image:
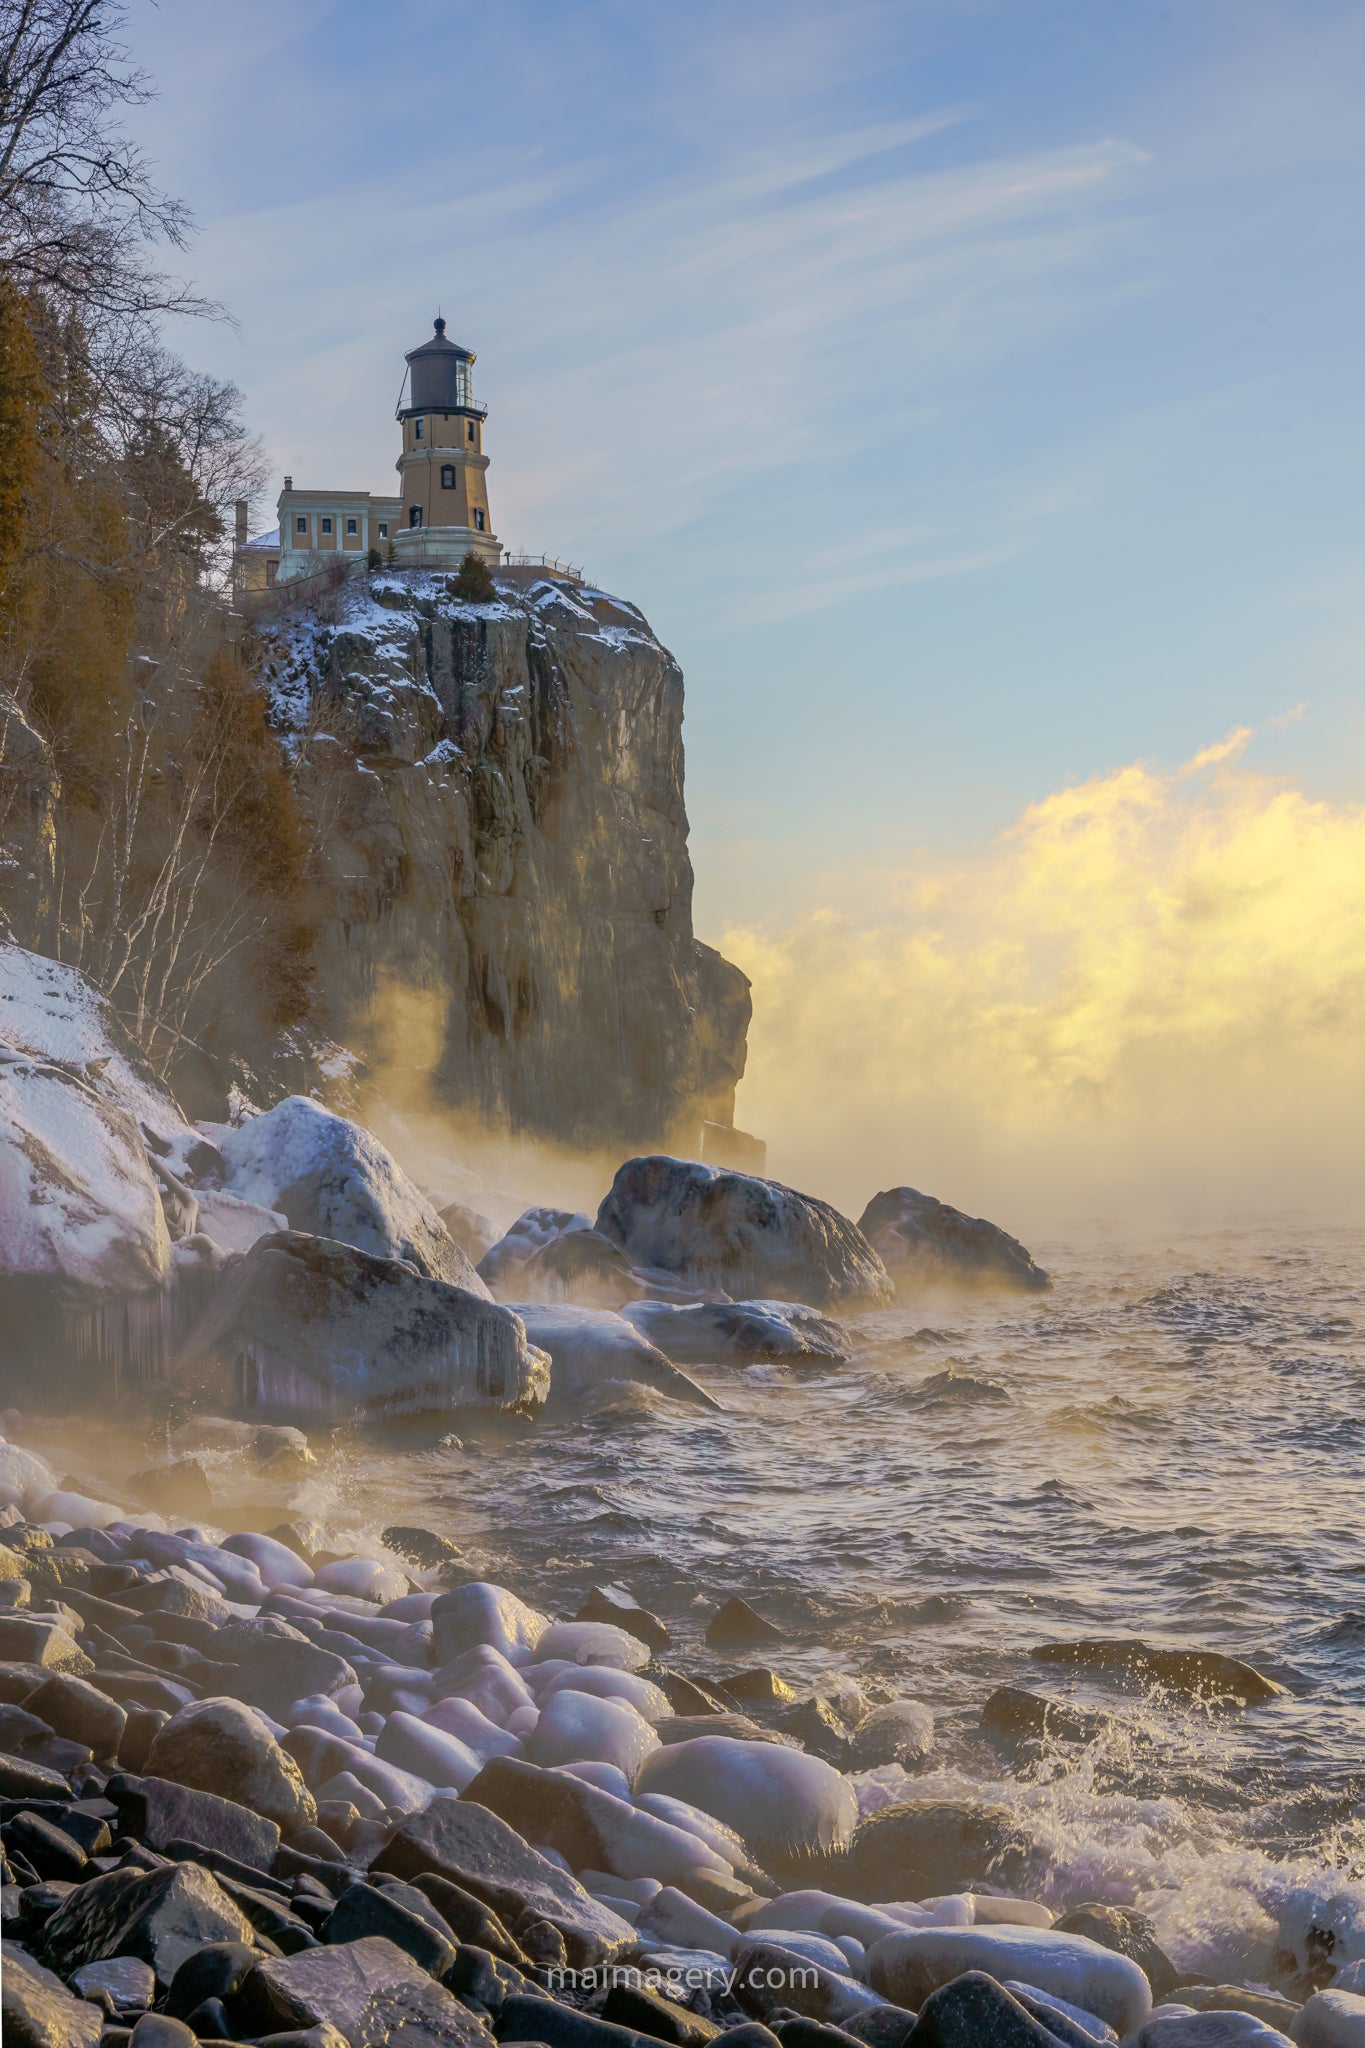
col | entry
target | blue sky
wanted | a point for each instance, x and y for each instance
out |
(970, 393)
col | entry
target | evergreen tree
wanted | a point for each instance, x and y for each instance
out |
(472, 583)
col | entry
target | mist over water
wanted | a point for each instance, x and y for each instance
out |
(1145, 999)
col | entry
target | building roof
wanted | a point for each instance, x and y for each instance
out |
(439, 346)
(266, 540)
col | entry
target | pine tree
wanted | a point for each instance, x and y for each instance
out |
(473, 583)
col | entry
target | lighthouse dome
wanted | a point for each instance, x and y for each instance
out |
(438, 373)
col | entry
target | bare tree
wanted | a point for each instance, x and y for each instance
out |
(79, 206)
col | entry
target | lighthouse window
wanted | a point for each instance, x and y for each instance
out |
(414, 515)
(327, 526)
(419, 430)
(447, 477)
(301, 523)
(383, 529)
(469, 425)
(351, 526)
(478, 517)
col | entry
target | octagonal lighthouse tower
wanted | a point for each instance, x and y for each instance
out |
(442, 469)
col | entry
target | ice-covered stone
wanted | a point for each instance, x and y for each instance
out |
(592, 1642)
(906, 1968)
(589, 1825)
(755, 1239)
(589, 1348)
(900, 1732)
(483, 1616)
(364, 1578)
(311, 1327)
(574, 1727)
(458, 1716)
(533, 1229)
(482, 1674)
(277, 1564)
(607, 1683)
(777, 1800)
(825, 1913)
(428, 1752)
(740, 1332)
(332, 1178)
(1330, 2019)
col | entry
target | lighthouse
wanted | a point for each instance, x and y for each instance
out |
(442, 469)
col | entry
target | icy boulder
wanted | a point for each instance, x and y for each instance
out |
(740, 1332)
(779, 1801)
(590, 1348)
(749, 1237)
(333, 1179)
(532, 1231)
(922, 1240)
(306, 1327)
(79, 1204)
(233, 1224)
(908, 1968)
(581, 1266)
(51, 1012)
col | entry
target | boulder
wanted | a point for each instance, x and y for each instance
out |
(749, 1237)
(581, 1266)
(592, 1643)
(921, 1240)
(421, 1547)
(589, 1348)
(532, 1231)
(79, 1711)
(162, 1916)
(923, 1848)
(973, 2011)
(370, 1990)
(331, 1178)
(740, 1332)
(475, 1850)
(577, 1727)
(129, 1984)
(901, 1732)
(906, 1968)
(80, 1208)
(277, 1664)
(1206, 1675)
(483, 1616)
(1330, 2019)
(1177, 2027)
(155, 1811)
(780, 1801)
(614, 1603)
(1012, 1715)
(402, 1915)
(37, 2009)
(213, 1972)
(36, 1639)
(1129, 1933)
(737, 1625)
(311, 1327)
(590, 1828)
(234, 1224)
(426, 1751)
(222, 1746)
(470, 1228)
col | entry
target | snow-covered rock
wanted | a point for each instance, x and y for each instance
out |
(776, 1799)
(753, 1238)
(51, 1012)
(481, 1673)
(80, 1208)
(457, 1716)
(740, 1332)
(592, 1642)
(332, 1178)
(605, 1683)
(906, 1968)
(309, 1327)
(921, 1239)
(591, 1347)
(233, 1223)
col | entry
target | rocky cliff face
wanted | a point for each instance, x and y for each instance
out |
(497, 797)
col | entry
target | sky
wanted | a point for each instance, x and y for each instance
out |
(969, 391)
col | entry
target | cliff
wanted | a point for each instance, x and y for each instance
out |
(496, 797)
